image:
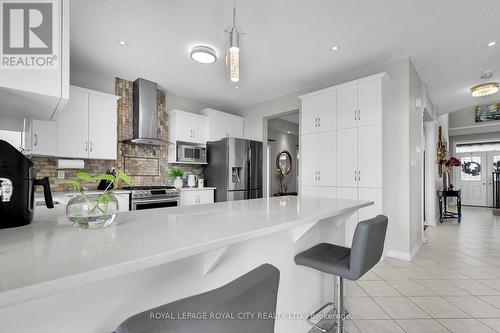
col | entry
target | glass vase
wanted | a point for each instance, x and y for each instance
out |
(92, 211)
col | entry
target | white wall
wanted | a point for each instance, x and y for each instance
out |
(105, 83)
(463, 122)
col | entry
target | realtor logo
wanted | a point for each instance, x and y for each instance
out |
(28, 34)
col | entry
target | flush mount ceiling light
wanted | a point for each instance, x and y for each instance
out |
(122, 43)
(491, 44)
(484, 89)
(233, 50)
(335, 48)
(203, 54)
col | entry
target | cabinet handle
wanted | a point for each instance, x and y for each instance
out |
(90, 146)
(359, 175)
(315, 122)
(86, 145)
(36, 139)
(355, 175)
(319, 175)
(319, 121)
(355, 114)
(359, 114)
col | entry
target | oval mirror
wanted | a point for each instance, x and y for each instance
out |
(284, 162)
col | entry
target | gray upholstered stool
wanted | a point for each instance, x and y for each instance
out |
(345, 263)
(253, 293)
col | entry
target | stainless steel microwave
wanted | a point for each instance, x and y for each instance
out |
(190, 152)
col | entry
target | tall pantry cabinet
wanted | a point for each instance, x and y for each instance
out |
(342, 144)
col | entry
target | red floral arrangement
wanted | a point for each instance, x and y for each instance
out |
(450, 163)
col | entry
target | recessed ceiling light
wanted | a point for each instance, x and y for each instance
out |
(491, 44)
(122, 42)
(236, 87)
(203, 54)
(484, 89)
(289, 132)
(335, 48)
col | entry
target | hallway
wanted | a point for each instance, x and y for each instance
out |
(452, 285)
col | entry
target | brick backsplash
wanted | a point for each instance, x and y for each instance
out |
(146, 165)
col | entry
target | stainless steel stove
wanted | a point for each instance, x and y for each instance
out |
(147, 197)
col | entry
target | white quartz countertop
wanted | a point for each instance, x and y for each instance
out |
(197, 188)
(50, 255)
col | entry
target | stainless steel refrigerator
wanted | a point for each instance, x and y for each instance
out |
(234, 169)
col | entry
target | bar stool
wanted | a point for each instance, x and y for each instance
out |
(345, 263)
(215, 311)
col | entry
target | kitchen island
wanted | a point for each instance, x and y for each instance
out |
(66, 279)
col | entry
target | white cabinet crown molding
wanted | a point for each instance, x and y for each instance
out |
(346, 84)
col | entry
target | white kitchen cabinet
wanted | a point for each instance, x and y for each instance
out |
(357, 162)
(347, 106)
(102, 127)
(327, 158)
(327, 111)
(222, 125)
(370, 102)
(197, 196)
(319, 113)
(360, 104)
(309, 159)
(347, 157)
(87, 127)
(309, 191)
(327, 192)
(39, 93)
(370, 156)
(123, 199)
(309, 115)
(187, 127)
(349, 193)
(73, 126)
(41, 139)
(370, 194)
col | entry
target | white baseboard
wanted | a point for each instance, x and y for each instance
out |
(403, 255)
(416, 248)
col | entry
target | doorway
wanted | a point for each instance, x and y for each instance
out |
(283, 154)
(475, 177)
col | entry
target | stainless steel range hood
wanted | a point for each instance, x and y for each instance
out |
(145, 115)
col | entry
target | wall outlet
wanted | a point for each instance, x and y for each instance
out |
(60, 174)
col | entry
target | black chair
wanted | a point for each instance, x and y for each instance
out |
(345, 263)
(255, 292)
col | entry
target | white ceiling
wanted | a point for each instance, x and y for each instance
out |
(287, 43)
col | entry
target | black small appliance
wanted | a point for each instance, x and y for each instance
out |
(17, 187)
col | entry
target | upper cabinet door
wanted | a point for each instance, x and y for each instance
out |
(309, 115)
(103, 116)
(182, 124)
(370, 156)
(43, 138)
(199, 128)
(72, 126)
(327, 158)
(347, 161)
(347, 106)
(327, 111)
(309, 159)
(370, 102)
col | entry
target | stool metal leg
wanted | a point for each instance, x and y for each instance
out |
(339, 304)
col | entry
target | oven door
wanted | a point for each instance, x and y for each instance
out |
(139, 204)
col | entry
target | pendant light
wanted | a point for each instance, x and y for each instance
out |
(233, 50)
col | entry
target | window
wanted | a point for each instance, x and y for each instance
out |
(471, 168)
(478, 147)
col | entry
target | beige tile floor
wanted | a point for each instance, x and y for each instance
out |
(452, 285)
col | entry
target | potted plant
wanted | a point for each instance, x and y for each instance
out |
(94, 210)
(448, 165)
(177, 173)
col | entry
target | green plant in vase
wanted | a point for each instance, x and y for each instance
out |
(177, 173)
(94, 210)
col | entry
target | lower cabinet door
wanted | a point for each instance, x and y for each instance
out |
(370, 194)
(205, 197)
(327, 192)
(309, 191)
(189, 198)
(123, 202)
(350, 193)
